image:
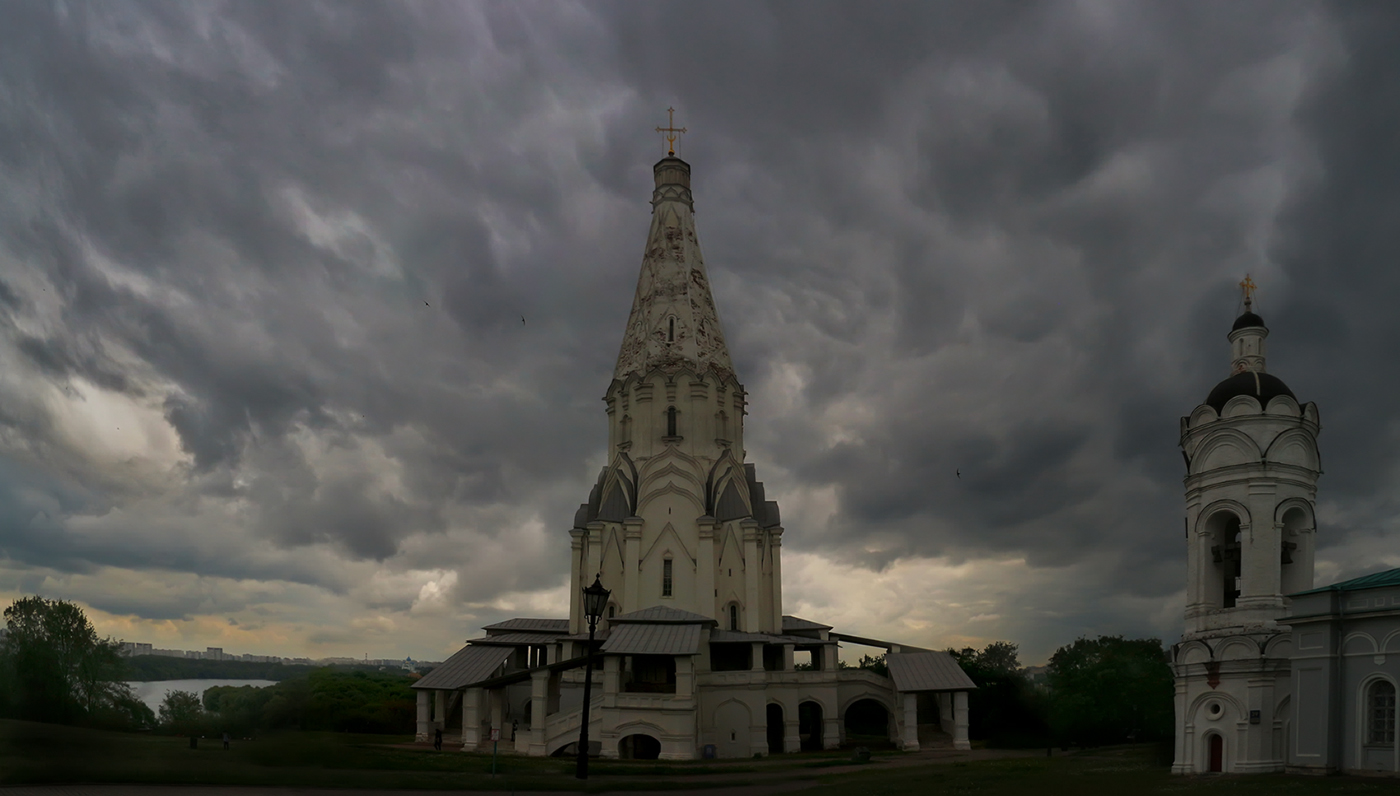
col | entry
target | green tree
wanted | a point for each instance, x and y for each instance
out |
(181, 713)
(56, 666)
(1005, 710)
(1110, 690)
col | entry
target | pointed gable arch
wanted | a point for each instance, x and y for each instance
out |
(668, 540)
(1225, 448)
(1294, 446)
(730, 549)
(671, 488)
(670, 470)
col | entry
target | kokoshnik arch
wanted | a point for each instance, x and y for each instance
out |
(698, 657)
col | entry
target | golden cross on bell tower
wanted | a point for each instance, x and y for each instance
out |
(670, 130)
(1248, 287)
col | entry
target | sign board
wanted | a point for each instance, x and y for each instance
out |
(495, 734)
(1253, 717)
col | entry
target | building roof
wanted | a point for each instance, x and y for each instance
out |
(653, 639)
(1263, 386)
(927, 671)
(674, 323)
(516, 639)
(796, 623)
(470, 665)
(1247, 320)
(1376, 580)
(660, 614)
(532, 625)
(740, 637)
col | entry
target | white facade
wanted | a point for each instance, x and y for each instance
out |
(698, 656)
(1252, 468)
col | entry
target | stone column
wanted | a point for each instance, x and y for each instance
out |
(1182, 764)
(789, 650)
(753, 608)
(612, 676)
(539, 708)
(578, 537)
(705, 570)
(756, 659)
(439, 709)
(776, 548)
(595, 556)
(685, 676)
(792, 729)
(631, 565)
(471, 719)
(831, 733)
(497, 696)
(960, 740)
(909, 736)
(425, 730)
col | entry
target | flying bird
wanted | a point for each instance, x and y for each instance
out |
(959, 472)
(426, 304)
(522, 320)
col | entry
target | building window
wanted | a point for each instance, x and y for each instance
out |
(612, 611)
(734, 623)
(666, 578)
(670, 421)
(1380, 714)
(671, 334)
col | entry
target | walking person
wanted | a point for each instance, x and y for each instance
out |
(437, 740)
(225, 742)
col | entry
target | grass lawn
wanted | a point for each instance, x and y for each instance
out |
(45, 753)
(1122, 770)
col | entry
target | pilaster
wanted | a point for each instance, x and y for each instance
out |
(631, 575)
(753, 617)
(705, 569)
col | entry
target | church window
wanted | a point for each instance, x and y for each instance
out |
(734, 620)
(1380, 714)
(670, 421)
(612, 611)
(671, 333)
(666, 578)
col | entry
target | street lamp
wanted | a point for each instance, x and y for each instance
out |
(595, 598)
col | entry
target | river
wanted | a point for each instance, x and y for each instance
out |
(153, 692)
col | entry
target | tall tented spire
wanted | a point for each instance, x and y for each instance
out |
(673, 323)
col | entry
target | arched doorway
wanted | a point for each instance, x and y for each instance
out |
(1216, 746)
(867, 719)
(775, 729)
(639, 747)
(809, 725)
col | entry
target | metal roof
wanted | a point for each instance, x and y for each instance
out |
(740, 637)
(927, 671)
(796, 623)
(654, 639)
(535, 625)
(660, 614)
(1376, 580)
(516, 638)
(470, 665)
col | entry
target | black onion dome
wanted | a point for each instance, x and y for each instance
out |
(1247, 320)
(1262, 386)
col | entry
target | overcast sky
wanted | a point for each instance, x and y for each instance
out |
(264, 382)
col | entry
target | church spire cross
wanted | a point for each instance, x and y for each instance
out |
(1248, 286)
(670, 131)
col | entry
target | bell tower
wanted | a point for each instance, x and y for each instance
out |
(1252, 466)
(678, 519)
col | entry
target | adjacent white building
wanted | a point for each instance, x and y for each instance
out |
(1272, 674)
(699, 656)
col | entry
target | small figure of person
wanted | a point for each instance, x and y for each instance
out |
(437, 740)
(225, 742)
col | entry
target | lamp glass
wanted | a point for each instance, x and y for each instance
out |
(595, 599)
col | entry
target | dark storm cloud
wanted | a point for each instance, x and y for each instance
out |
(999, 239)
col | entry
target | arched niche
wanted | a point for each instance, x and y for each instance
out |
(1241, 405)
(1283, 405)
(1295, 519)
(1222, 553)
(1204, 414)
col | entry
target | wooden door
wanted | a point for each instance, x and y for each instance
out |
(1217, 754)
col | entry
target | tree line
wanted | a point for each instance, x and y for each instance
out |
(54, 668)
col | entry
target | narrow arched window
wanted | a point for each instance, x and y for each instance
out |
(671, 333)
(1380, 714)
(733, 616)
(666, 578)
(612, 611)
(670, 421)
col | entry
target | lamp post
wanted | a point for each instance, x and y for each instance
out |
(595, 598)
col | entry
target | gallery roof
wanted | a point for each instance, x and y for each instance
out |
(653, 639)
(927, 671)
(470, 665)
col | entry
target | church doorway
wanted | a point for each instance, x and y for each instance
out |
(1217, 754)
(639, 747)
(775, 729)
(809, 726)
(867, 720)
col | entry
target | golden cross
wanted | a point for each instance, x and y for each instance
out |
(1248, 287)
(671, 129)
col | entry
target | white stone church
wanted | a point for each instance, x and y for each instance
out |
(1271, 673)
(698, 657)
